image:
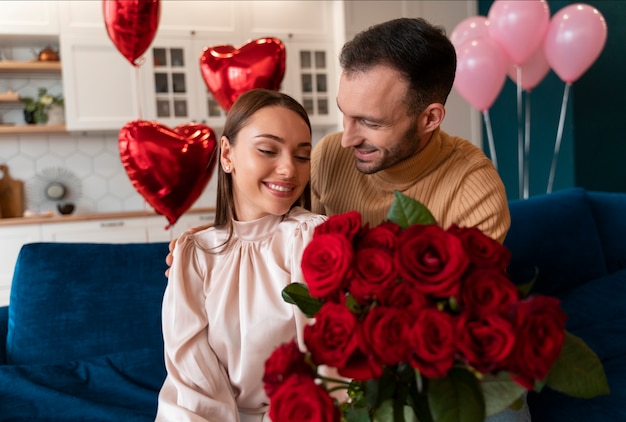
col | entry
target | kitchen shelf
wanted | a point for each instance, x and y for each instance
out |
(25, 129)
(9, 66)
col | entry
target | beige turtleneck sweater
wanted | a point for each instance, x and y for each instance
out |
(450, 176)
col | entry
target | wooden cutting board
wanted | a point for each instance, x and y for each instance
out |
(11, 194)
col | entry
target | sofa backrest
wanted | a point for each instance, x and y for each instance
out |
(557, 235)
(75, 300)
(609, 211)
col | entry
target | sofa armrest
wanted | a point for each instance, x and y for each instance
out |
(4, 329)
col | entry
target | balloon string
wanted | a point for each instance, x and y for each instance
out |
(527, 147)
(492, 148)
(139, 92)
(559, 136)
(520, 136)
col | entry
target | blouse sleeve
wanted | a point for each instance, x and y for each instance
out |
(196, 387)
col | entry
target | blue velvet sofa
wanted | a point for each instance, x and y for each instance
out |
(81, 340)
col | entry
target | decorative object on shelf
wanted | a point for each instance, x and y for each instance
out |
(36, 110)
(48, 54)
(229, 72)
(54, 187)
(11, 194)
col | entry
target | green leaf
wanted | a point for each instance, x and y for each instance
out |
(298, 294)
(578, 371)
(406, 211)
(456, 397)
(357, 414)
(500, 392)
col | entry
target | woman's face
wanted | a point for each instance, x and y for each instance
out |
(270, 162)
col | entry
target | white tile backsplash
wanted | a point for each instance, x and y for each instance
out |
(93, 158)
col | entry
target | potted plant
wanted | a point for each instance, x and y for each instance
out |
(36, 110)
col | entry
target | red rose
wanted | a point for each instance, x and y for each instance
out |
(487, 291)
(326, 263)
(347, 224)
(431, 259)
(385, 333)
(374, 273)
(332, 339)
(301, 399)
(482, 250)
(286, 360)
(384, 236)
(432, 341)
(539, 324)
(361, 366)
(485, 342)
(403, 295)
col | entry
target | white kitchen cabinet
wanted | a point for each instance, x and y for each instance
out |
(120, 230)
(175, 90)
(20, 17)
(13, 237)
(101, 87)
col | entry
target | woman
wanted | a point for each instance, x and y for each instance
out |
(223, 313)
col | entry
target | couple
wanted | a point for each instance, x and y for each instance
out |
(223, 313)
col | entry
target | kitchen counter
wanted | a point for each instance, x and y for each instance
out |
(57, 218)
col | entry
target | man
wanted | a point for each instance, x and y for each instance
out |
(396, 78)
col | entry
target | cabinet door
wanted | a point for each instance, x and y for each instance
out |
(13, 238)
(101, 86)
(175, 90)
(311, 78)
(127, 230)
(29, 17)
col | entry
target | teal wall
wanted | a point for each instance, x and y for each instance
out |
(593, 146)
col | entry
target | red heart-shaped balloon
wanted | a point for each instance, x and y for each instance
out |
(169, 167)
(229, 72)
(131, 25)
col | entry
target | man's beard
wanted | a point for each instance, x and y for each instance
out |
(404, 149)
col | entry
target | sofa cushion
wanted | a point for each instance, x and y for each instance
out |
(116, 387)
(608, 210)
(70, 301)
(596, 313)
(555, 234)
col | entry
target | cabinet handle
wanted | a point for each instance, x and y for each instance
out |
(112, 224)
(206, 217)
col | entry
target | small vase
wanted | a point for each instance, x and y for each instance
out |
(41, 117)
(29, 117)
(56, 115)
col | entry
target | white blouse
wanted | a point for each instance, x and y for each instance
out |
(223, 315)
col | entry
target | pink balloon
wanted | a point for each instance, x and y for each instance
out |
(480, 72)
(533, 70)
(575, 39)
(471, 28)
(518, 26)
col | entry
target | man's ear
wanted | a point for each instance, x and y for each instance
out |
(432, 117)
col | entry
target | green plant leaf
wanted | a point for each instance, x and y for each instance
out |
(500, 392)
(357, 414)
(456, 398)
(405, 211)
(577, 371)
(298, 294)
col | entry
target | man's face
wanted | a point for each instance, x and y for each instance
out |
(375, 120)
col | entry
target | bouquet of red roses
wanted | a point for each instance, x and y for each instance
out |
(419, 323)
